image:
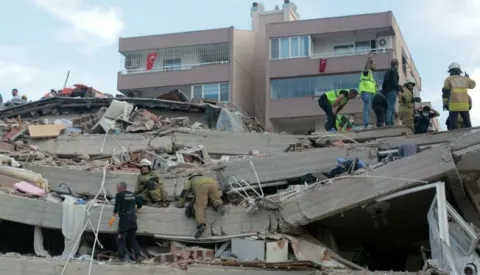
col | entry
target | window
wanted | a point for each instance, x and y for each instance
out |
(342, 49)
(214, 91)
(363, 46)
(316, 85)
(172, 64)
(290, 47)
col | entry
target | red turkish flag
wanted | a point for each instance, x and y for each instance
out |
(151, 57)
(322, 66)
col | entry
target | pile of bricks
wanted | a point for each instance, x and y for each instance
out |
(185, 255)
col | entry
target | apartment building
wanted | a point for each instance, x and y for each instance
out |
(272, 71)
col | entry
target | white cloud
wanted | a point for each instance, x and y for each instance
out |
(89, 27)
(17, 73)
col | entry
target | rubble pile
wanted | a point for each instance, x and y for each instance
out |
(327, 203)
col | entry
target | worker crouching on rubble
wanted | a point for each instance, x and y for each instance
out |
(149, 187)
(344, 123)
(407, 104)
(126, 204)
(455, 96)
(332, 102)
(204, 189)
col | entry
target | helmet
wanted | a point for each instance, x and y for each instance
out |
(24, 97)
(411, 80)
(453, 66)
(194, 175)
(146, 162)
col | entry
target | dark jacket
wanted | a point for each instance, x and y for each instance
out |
(390, 81)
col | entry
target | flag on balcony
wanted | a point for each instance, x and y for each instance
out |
(322, 66)
(151, 57)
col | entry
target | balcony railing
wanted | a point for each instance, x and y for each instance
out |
(351, 52)
(175, 59)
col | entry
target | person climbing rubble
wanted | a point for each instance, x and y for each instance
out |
(126, 204)
(407, 104)
(149, 187)
(345, 165)
(332, 102)
(204, 189)
(455, 95)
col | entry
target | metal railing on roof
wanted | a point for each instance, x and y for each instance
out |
(351, 52)
(175, 59)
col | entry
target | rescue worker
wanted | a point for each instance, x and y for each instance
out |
(407, 104)
(423, 117)
(126, 204)
(149, 187)
(15, 94)
(332, 102)
(24, 97)
(204, 189)
(380, 106)
(367, 88)
(455, 95)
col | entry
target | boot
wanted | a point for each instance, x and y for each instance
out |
(221, 209)
(200, 230)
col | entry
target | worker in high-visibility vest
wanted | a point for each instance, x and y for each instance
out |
(343, 124)
(455, 95)
(332, 102)
(367, 88)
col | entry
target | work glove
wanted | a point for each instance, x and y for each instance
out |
(179, 205)
(417, 99)
(111, 221)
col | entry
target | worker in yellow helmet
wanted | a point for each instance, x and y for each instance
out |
(455, 95)
(204, 189)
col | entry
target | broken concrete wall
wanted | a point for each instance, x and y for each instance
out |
(151, 221)
(324, 201)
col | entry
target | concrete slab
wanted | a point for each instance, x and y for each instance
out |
(324, 201)
(295, 164)
(88, 182)
(37, 266)
(151, 221)
(234, 143)
(365, 135)
(91, 144)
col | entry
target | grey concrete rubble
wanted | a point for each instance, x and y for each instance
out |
(364, 135)
(343, 194)
(151, 221)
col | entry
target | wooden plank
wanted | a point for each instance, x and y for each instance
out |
(151, 221)
(45, 131)
(344, 194)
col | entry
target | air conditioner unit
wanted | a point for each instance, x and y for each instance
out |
(384, 42)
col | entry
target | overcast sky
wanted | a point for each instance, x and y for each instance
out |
(43, 39)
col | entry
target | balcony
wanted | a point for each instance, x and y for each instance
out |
(174, 59)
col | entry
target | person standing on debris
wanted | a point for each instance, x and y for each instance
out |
(390, 88)
(126, 204)
(379, 107)
(15, 94)
(332, 102)
(455, 95)
(367, 88)
(423, 118)
(149, 187)
(460, 120)
(204, 189)
(407, 104)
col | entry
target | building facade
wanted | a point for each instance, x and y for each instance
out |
(272, 71)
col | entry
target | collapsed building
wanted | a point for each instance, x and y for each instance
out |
(62, 158)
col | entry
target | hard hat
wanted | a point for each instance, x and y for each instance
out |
(146, 162)
(24, 97)
(411, 80)
(194, 175)
(453, 65)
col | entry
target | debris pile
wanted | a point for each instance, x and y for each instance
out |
(330, 203)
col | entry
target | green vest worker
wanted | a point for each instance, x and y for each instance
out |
(332, 102)
(367, 88)
(343, 124)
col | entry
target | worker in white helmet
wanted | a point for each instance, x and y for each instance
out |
(149, 187)
(406, 104)
(455, 95)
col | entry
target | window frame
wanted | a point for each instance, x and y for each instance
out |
(219, 87)
(298, 38)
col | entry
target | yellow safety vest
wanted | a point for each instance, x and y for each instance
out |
(334, 94)
(459, 85)
(367, 83)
